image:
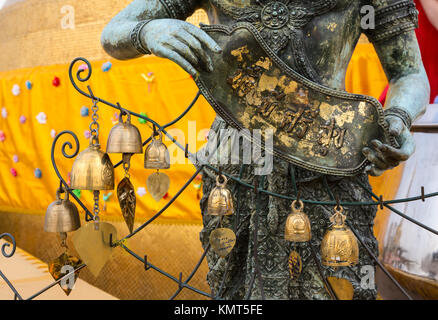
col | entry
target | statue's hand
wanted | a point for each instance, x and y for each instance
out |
(383, 156)
(181, 42)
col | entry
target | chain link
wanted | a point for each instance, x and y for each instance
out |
(94, 125)
(96, 209)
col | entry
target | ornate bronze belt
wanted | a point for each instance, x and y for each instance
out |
(315, 127)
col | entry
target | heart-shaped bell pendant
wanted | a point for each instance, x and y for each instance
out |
(297, 227)
(158, 184)
(220, 200)
(222, 241)
(339, 246)
(93, 245)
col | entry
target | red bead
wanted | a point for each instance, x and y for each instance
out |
(56, 81)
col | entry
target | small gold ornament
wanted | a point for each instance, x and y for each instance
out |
(93, 246)
(158, 184)
(342, 287)
(157, 155)
(61, 215)
(220, 201)
(222, 241)
(125, 138)
(297, 227)
(63, 265)
(339, 246)
(295, 265)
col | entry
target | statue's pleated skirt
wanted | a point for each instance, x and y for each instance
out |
(268, 218)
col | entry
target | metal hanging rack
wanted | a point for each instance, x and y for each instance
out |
(257, 188)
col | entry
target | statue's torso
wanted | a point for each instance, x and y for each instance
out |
(316, 38)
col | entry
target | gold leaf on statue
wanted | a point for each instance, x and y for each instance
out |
(158, 184)
(222, 241)
(63, 265)
(295, 265)
(93, 246)
(342, 287)
(127, 201)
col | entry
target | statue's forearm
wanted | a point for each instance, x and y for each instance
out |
(410, 92)
(116, 36)
(408, 84)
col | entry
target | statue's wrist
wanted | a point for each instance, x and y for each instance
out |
(400, 113)
(137, 36)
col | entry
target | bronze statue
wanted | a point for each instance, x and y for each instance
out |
(312, 41)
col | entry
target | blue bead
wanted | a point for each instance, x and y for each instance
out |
(28, 84)
(38, 173)
(84, 112)
(106, 66)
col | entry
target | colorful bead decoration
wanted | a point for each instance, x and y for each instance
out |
(23, 119)
(38, 173)
(107, 66)
(16, 90)
(42, 118)
(85, 112)
(141, 191)
(4, 112)
(143, 121)
(2, 136)
(14, 172)
(15, 158)
(56, 81)
(28, 85)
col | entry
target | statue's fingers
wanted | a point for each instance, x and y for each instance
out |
(196, 46)
(373, 171)
(396, 125)
(184, 50)
(374, 159)
(203, 37)
(178, 59)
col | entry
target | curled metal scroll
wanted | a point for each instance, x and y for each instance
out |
(88, 215)
(7, 244)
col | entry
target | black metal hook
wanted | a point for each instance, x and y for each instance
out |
(422, 194)
(381, 202)
(146, 265)
(186, 151)
(93, 97)
(180, 283)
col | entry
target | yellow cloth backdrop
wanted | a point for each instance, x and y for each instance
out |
(163, 99)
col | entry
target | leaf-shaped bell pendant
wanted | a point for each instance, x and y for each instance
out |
(297, 227)
(339, 246)
(92, 170)
(156, 155)
(220, 201)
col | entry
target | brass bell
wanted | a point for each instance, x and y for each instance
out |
(220, 201)
(339, 246)
(92, 170)
(297, 227)
(61, 215)
(156, 155)
(124, 137)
